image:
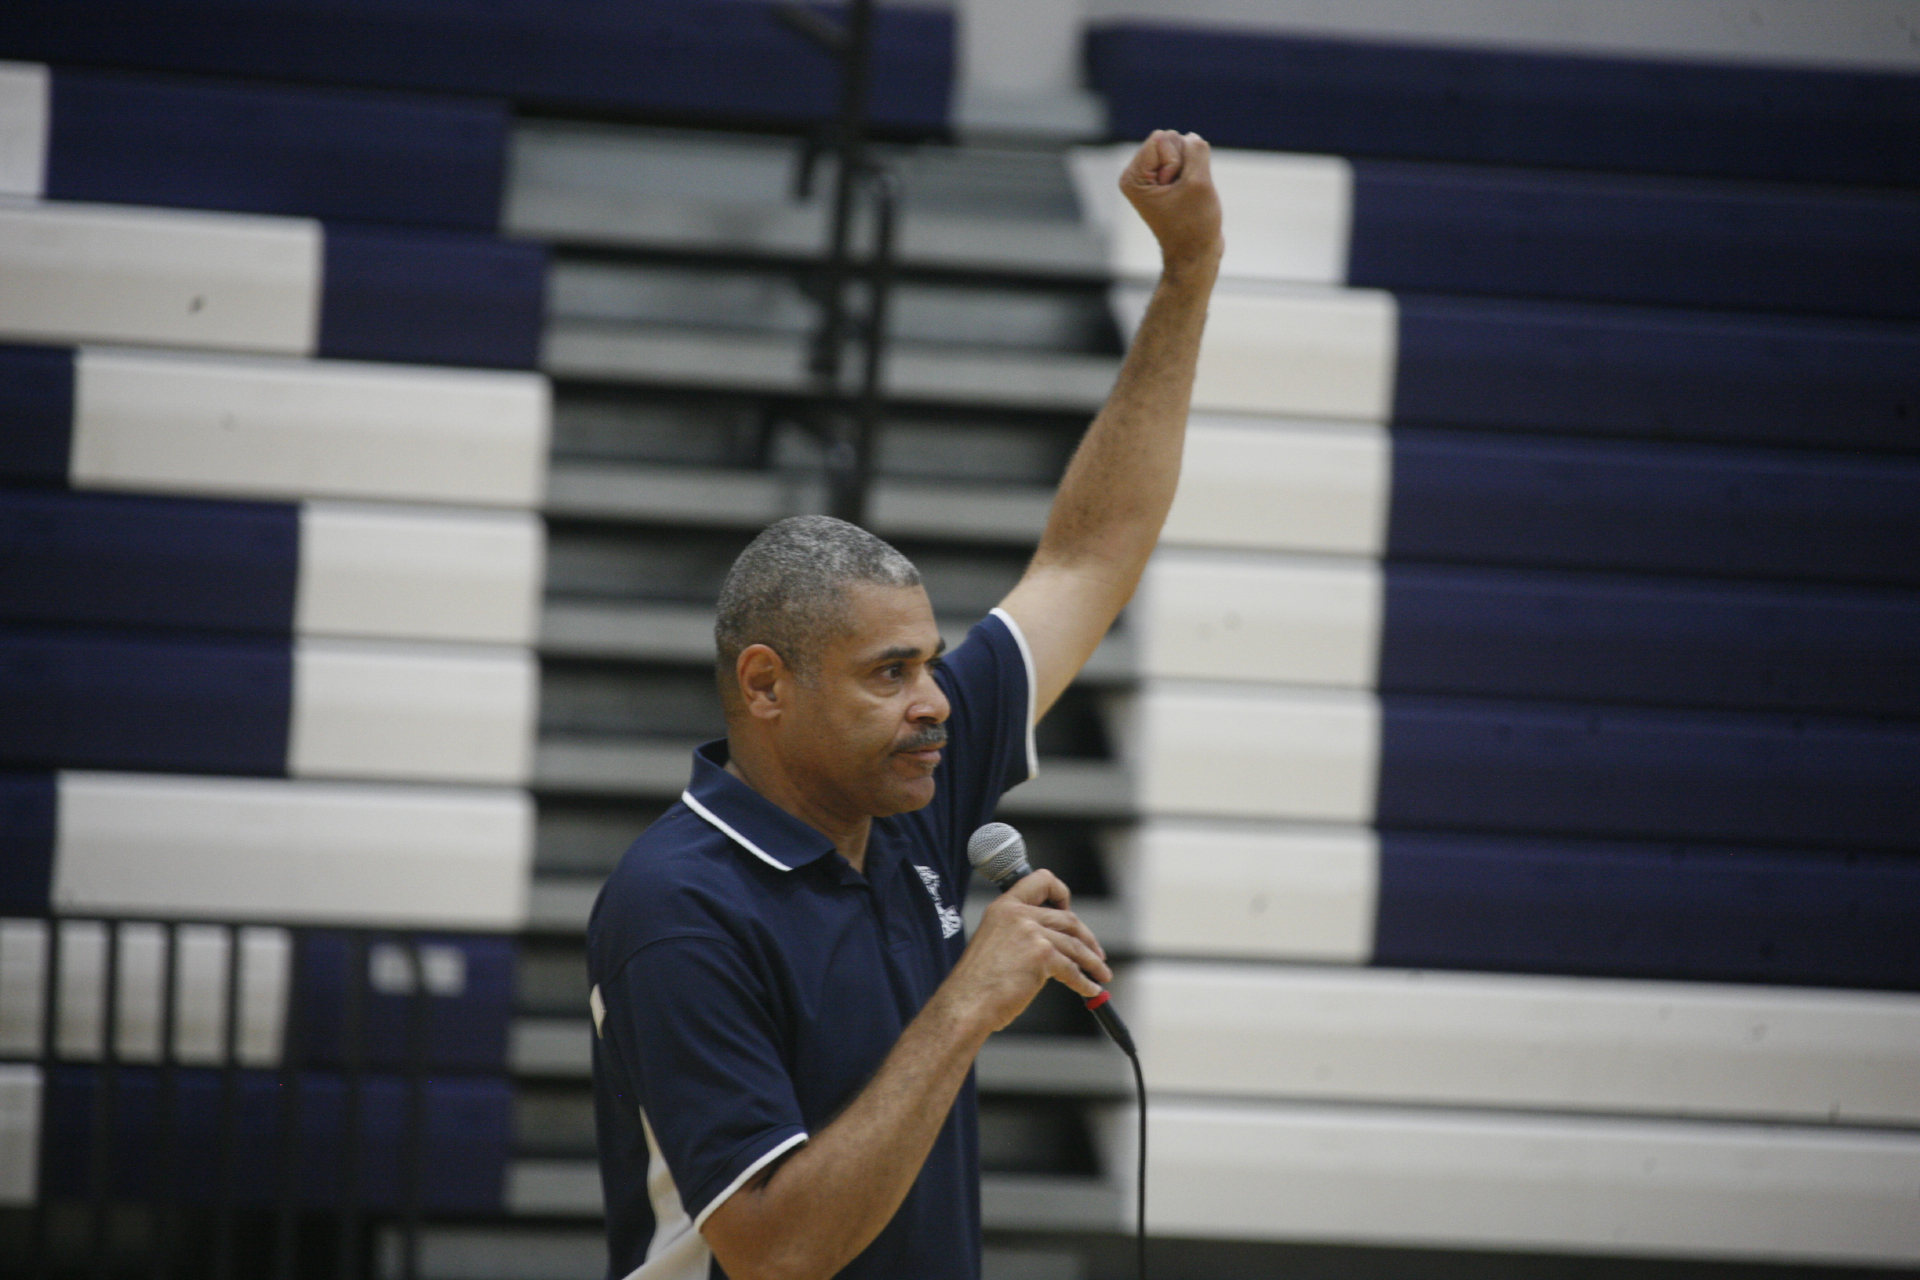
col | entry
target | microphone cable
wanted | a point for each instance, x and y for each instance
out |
(1140, 1171)
(999, 854)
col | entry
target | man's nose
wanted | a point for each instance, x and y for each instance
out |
(931, 706)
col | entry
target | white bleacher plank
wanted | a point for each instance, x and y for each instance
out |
(199, 991)
(269, 849)
(1405, 1177)
(1548, 1043)
(1282, 485)
(1209, 750)
(274, 428)
(439, 713)
(114, 273)
(1246, 890)
(1280, 349)
(417, 573)
(1285, 217)
(19, 1132)
(25, 89)
(1211, 615)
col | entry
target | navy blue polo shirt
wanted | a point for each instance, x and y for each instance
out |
(748, 982)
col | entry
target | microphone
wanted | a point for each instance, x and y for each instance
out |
(998, 853)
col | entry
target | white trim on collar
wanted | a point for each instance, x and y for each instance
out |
(686, 797)
(1026, 656)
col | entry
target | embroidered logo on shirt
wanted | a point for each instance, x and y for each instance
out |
(949, 918)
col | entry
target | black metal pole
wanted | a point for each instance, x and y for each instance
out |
(227, 1179)
(411, 1163)
(39, 1246)
(855, 59)
(851, 482)
(105, 1095)
(166, 1096)
(347, 1260)
(286, 1211)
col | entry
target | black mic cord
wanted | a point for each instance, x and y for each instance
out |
(998, 853)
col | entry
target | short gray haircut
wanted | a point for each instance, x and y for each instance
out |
(788, 591)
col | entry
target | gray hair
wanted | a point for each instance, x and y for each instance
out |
(788, 591)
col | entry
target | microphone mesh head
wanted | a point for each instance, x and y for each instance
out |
(998, 853)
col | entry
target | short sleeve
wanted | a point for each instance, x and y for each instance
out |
(689, 1027)
(988, 680)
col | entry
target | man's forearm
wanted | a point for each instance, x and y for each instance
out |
(810, 1216)
(828, 1201)
(1120, 484)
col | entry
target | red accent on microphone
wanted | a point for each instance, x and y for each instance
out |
(1094, 1002)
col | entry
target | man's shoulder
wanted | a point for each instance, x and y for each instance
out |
(678, 878)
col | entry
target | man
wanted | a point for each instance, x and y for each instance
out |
(786, 1012)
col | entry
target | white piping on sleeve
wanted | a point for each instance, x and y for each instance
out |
(752, 848)
(1033, 694)
(745, 1174)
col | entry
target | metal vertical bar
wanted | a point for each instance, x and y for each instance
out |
(851, 144)
(286, 1211)
(166, 1094)
(227, 1179)
(852, 483)
(39, 1246)
(411, 1163)
(352, 1050)
(106, 1087)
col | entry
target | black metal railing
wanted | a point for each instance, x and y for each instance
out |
(166, 1191)
(846, 421)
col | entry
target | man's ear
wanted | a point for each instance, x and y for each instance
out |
(762, 677)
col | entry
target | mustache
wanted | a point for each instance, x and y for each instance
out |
(934, 735)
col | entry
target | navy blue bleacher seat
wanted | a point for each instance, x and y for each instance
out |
(1649, 640)
(465, 1030)
(1654, 507)
(29, 807)
(36, 413)
(1691, 912)
(466, 1132)
(1614, 772)
(254, 148)
(1585, 369)
(726, 59)
(168, 702)
(1684, 242)
(1569, 111)
(105, 559)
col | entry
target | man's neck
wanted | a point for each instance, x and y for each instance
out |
(772, 783)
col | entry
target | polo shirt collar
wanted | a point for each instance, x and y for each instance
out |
(746, 817)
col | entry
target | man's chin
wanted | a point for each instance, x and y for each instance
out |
(906, 795)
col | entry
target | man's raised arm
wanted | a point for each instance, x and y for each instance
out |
(1116, 492)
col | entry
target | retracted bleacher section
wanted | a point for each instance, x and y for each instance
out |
(1529, 723)
(270, 569)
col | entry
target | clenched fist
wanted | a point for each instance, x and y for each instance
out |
(1169, 182)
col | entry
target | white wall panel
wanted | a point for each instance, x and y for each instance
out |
(25, 89)
(1388, 1176)
(1250, 752)
(255, 848)
(270, 428)
(1285, 217)
(417, 573)
(1210, 615)
(1280, 349)
(19, 1132)
(1497, 1040)
(199, 991)
(441, 713)
(1216, 888)
(113, 273)
(1281, 485)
